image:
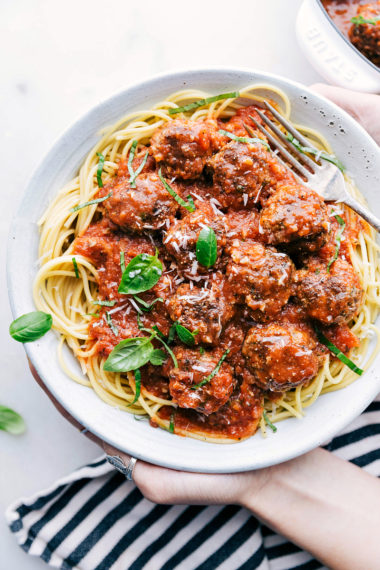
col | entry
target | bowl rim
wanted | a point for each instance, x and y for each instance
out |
(346, 40)
(314, 439)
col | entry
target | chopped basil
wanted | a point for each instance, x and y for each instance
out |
(189, 205)
(203, 102)
(137, 375)
(141, 274)
(171, 353)
(201, 350)
(159, 333)
(246, 140)
(318, 153)
(358, 20)
(30, 326)
(105, 303)
(129, 354)
(213, 373)
(207, 247)
(157, 357)
(338, 240)
(172, 332)
(100, 169)
(113, 328)
(134, 174)
(90, 203)
(185, 335)
(11, 421)
(268, 422)
(75, 267)
(338, 353)
(146, 307)
(171, 424)
(122, 261)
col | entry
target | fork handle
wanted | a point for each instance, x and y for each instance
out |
(363, 212)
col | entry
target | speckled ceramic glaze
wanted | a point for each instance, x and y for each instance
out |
(324, 419)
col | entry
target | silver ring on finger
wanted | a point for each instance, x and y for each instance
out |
(118, 463)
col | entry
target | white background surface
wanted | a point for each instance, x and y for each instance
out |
(58, 59)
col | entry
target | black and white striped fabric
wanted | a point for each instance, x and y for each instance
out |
(94, 519)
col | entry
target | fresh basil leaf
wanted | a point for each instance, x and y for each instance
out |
(141, 274)
(201, 350)
(30, 326)
(246, 140)
(11, 421)
(100, 169)
(203, 102)
(146, 306)
(171, 353)
(185, 335)
(137, 374)
(157, 357)
(213, 373)
(189, 205)
(129, 354)
(207, 247)
(90, 203)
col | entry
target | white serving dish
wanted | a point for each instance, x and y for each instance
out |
(323, 420)
(331, 53)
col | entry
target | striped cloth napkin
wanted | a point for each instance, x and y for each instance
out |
(93, 519)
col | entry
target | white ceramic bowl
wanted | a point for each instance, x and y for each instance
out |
(325, 418)
(331, 53)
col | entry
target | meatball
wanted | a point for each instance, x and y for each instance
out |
(182, 146)
(181, 238)
(248, 171)
(366, 36)
(280, 357)
(296, 217)
(146, 207)
(260, 276)
(329, 296)
(204, 309)
(192, 369)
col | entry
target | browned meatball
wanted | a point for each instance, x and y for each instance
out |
(182, 146)
(248, 171)
(295, 216)
(204, 309)
(146, 207)
(181, 238)
(260, 276)
(330, 297)
(280, 357)
(192, 369)
(366, 36)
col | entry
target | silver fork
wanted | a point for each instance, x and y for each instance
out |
(320, 175)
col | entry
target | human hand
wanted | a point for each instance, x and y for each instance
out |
(364, 107)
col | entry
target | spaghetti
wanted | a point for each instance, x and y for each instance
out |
(69, 290)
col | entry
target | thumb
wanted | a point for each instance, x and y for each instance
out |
(364, 107)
